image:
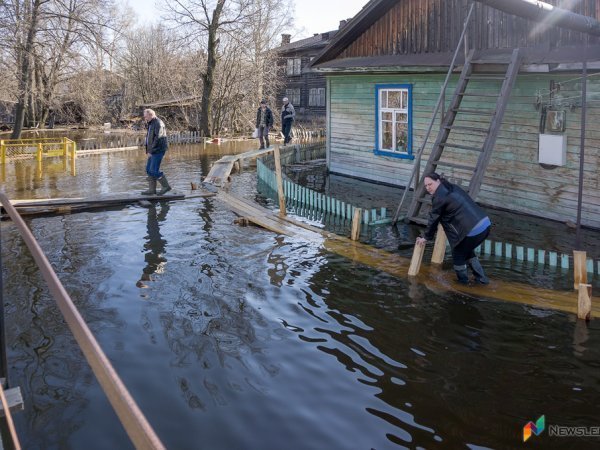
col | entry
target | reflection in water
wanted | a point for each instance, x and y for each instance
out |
(155, 243)
(247, 340)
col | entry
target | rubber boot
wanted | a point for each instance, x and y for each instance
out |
(267, 144)
(165, 185)
(462, 274)
(478, 271)
(151, 187)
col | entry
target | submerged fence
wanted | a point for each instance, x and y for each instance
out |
(307, 202)
(540, 257)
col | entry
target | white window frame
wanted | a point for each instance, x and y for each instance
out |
(316, 97)
(383, 107)
(293, 67)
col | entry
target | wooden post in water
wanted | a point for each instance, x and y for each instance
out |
(280, 192)
(415, 262)
(579, 268)
(584, 303)
(355, 233)
(439, 248)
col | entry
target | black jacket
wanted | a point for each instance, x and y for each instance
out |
(268, 119)
(456, 211)
(156, 138)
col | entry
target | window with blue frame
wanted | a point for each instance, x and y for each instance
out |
(394, 120)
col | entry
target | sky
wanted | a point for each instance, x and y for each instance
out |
(311, 16)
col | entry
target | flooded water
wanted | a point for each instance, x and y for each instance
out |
(236, 338)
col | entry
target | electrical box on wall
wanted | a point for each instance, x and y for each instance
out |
(553, 149)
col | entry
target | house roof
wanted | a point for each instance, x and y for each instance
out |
(317, 41)
(375, 9)
(181, 101)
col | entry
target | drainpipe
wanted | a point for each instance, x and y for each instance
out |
(545, 12)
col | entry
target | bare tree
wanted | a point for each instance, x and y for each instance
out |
(45, 39)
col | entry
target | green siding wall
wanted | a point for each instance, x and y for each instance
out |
(514, 179)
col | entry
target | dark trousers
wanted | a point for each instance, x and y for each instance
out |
(465, 248)
(263, 136)
(286, 129)
(153, 165)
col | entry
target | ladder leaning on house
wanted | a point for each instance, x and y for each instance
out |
(446, 150)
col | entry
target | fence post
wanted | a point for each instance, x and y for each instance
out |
(280, 192)
(355, 234)
(3, 152)
(40, 151)
(580, 268)
(64, 147)
(415, 262)
(439, 249)
(584, 301)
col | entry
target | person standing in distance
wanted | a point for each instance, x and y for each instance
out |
(288, 114)
(156, 146)
(264, 122)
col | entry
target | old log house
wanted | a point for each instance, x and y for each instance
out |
(509, 128)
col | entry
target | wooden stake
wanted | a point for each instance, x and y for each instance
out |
(355, 234)
(584, 304)
(579, 268)
(415, 262)
(439, 249)
(280, 192)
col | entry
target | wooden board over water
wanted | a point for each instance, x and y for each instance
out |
(67, 205)
(221, 169)
(434, 278)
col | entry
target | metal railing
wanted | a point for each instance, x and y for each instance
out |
(133, 420)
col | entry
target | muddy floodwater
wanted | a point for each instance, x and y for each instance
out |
(236, 338)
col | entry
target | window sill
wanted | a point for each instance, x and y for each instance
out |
(400, 155)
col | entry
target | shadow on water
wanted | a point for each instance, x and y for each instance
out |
(232, 337)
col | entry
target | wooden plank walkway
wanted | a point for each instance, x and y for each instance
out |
(68, 205)
(434, 278)
(221, 169)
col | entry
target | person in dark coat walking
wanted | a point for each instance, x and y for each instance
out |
(465, 223)
(288, 115)
(156, 147)
(264, 122)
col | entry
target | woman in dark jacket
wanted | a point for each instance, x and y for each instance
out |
(465, 223)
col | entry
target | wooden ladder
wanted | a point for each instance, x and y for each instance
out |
(449, 153)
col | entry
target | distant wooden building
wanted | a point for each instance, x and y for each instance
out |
(385, 71)
(177, 113)
(305, 88)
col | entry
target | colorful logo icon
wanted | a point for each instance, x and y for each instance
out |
(535, 428)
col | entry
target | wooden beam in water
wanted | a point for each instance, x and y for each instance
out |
(355, 233)
(584, 302)
(579, 268)
(416, 260)
(432, 277)
(439, 248)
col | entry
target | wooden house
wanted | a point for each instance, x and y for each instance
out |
(509, 127)
(304, 87)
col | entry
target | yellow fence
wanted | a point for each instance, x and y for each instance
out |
(37, 148)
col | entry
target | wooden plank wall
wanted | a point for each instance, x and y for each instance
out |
(514, 179)
(431, 26)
